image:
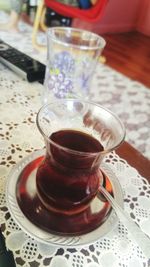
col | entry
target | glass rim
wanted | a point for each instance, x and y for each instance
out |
(76, 152)
(83, 47)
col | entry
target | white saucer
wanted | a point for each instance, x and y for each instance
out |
(44, 236)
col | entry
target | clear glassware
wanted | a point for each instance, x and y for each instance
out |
(72, 56)
(78, 134)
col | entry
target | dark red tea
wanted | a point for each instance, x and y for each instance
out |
(69, 176)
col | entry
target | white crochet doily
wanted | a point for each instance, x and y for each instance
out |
(20, 102)
(114, 249)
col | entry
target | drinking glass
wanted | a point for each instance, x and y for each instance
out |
(72, 56)
(77, 134)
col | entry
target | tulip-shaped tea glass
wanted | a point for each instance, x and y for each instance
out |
(78, 134)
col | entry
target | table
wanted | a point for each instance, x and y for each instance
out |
(19, 104)
(135, 159)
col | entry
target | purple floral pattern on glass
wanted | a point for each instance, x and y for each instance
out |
(60, 84)
(65, 73)
(64, 62)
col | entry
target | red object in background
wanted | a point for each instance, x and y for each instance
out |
(92, 14)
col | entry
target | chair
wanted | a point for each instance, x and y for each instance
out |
(93, 14)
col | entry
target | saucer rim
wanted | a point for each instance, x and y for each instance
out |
(53, 239)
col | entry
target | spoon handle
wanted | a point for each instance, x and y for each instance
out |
(142, 240)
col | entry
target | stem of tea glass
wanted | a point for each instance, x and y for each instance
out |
(142, 240)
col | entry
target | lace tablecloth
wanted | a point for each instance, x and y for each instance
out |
(19, 103)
